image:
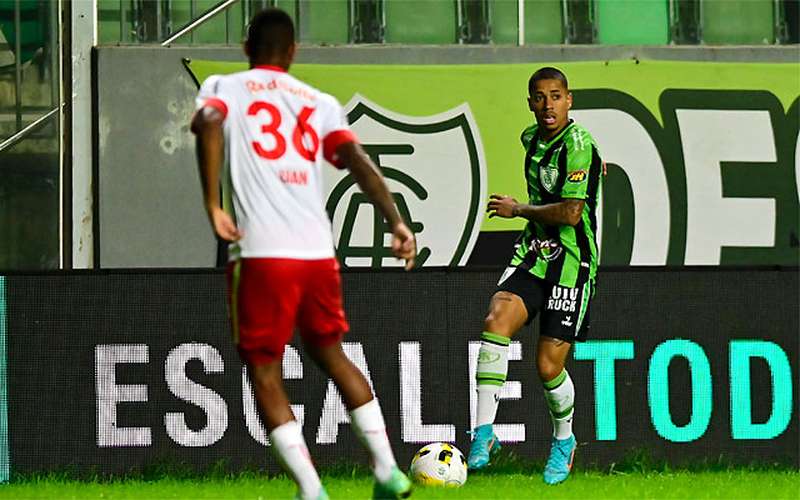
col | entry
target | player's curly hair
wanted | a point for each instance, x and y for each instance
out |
(271, 32)
(547, 73)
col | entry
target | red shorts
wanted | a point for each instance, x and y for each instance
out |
(269, 297)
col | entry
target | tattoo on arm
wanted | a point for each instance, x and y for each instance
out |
(563, 213)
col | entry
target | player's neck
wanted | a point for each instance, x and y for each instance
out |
(272, 61)
(548, 135)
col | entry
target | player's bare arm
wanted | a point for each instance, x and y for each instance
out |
(210, 144)
(563, 213)
(371, 182)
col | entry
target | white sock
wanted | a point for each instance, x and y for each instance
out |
(290, 447)
(492, 372)
(370, 428)
(560, 396)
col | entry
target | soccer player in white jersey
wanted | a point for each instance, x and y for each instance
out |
(274, 132)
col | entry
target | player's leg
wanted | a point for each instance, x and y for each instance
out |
(365, 416)
(559, 393)
(508, 312)
(564, 320)
(322, 325)
(262, 317)
(285, 433)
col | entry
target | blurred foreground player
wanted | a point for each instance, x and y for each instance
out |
(274, 131)
(552, 272)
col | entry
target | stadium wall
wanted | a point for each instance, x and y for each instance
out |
(688, 183)
(118, 371)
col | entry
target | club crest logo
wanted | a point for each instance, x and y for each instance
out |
(548, 175)
(435, 169)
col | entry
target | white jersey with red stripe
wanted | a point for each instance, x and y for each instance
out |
(278, 132)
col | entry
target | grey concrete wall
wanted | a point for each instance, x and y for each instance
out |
(149, 205)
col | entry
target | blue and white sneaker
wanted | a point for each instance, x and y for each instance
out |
(484, 445)
(562, 452)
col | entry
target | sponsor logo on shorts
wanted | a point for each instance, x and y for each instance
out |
(563, 299)
(577, 176)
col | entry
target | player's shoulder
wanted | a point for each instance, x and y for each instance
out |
(578, 139)
(329, 100)
(313, 93)
(527, 135)
(212, 82)
(323, 97)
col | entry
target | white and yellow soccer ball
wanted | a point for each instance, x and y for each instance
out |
(439, 464)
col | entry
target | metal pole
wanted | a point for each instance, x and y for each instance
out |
(65, 204)
(520, 22)
(18, 64)
(700, 23)
(29, 129)
(122, 37)
(54, 50)
(227, 27)
(158, 19)
(192, 7)
(199, 21)
(460, 21)
(168, 18)
(83, 30)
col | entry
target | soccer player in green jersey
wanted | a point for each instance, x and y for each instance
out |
(552, 272)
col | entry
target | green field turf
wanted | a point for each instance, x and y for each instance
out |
(728, 484)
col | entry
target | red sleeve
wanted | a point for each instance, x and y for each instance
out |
(218, 104)
(331, 143)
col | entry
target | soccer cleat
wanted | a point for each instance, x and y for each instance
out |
(398, 486)
(323, 495)
(484, 445)
(562, 451)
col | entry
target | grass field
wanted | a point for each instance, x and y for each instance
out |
(728, 484)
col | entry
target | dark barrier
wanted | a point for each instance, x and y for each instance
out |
(113, 371)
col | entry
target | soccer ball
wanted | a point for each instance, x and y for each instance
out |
(439, 464)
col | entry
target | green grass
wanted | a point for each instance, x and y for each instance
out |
(743, 484)
(637, 476)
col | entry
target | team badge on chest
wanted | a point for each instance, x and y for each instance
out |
(548, 172)
(548, 176)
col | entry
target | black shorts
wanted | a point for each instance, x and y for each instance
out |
(564, 312)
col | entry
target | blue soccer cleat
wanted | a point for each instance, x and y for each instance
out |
(562, 451)
(484, 445)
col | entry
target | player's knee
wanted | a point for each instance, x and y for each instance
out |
(493, 323)
(266, 377)
(548, 369)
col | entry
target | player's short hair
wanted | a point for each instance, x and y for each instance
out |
(547, 73)
(271, 31)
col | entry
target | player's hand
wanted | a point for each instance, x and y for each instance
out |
(404, 245)
(223, 225)
(605, 168)
(501, 205)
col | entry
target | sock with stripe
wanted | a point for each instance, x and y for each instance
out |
(370, 428)
(560, 396)
(290, 447)
(491, 375)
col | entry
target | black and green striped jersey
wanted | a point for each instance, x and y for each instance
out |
(567, 166)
